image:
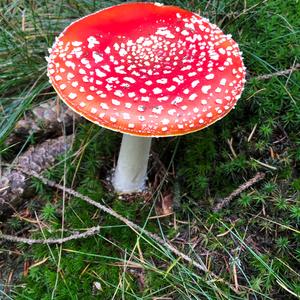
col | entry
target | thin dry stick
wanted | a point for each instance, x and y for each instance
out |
(225, 201)
(279, 73)
(129, 223)
(89, 232)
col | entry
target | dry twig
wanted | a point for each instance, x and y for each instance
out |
(89, 232)
(225, 201)
(279, 73)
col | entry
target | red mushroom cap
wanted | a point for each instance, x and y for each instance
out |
(147, 69)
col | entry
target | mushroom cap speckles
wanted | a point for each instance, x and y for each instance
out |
(146, 69)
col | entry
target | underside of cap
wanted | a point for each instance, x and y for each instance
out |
(146, 69)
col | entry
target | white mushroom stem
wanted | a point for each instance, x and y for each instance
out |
(131, 170)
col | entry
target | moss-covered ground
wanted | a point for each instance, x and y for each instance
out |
(252, 244)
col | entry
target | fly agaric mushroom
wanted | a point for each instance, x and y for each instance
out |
(146, 70)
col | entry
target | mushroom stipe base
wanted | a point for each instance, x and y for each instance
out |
(131, 170)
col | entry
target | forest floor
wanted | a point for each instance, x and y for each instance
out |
(244, 248)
